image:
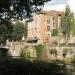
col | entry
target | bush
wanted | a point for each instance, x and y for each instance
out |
(39, 49)
(53, 51)
(54, 32)
(73, 60)
(23, 53)
(65, 50)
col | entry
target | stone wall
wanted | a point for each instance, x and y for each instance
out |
(60, 51)
(16, 47)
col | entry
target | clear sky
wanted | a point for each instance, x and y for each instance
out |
(60, 5)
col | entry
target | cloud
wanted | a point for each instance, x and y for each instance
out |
(59, 5)
(72, 5)
(55, 5)
(55, 2)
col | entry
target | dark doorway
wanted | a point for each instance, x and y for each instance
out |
(3, 51)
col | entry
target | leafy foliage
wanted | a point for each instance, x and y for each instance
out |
(19, 9)
(66, 23)
(54, 32)
(23, 53)
(73, 60)
(53, 51)
(28, 52)
(39, 49)
(65, 50)
(73, 28)
(5, 30)
(18, 31)
(25, 30)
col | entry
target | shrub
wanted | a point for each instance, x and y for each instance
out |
(73, 60)
(54, 32)
(24, 53)
(53, 51)
(39, 49)
(18, 31)
(65, 50)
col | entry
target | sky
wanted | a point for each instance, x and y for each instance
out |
(59, 5)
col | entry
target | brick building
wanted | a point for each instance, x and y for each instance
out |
(40, 28)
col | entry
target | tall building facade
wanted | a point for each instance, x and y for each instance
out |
(41, 26)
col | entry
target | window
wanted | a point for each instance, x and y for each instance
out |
(59, 15)
(48, 20)
(48, 28)
(53, 18)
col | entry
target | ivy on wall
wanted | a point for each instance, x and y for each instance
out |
(54, 32)
(38, 49)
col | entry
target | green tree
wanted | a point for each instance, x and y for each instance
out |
(6, 28)
(18, 31)
(25, 30)
(66, 23)
(19, 8)
(73, 28)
